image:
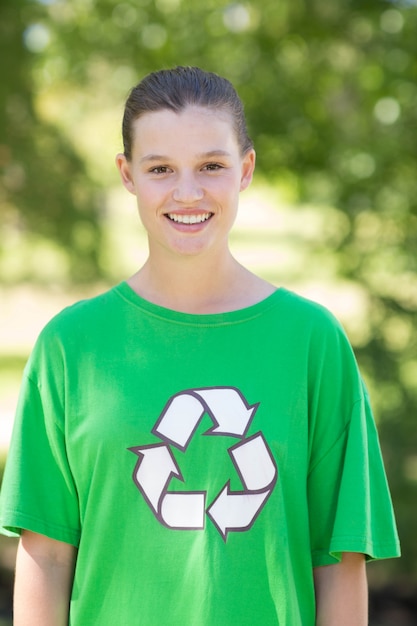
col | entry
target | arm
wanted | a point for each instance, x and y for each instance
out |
(44, 574)
(342, 592)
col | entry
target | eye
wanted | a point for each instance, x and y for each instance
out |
(213, 167)
(159, 169)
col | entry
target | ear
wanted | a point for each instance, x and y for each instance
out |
(123, 165)
(248, 167)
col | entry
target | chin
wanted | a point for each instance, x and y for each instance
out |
(191, 248)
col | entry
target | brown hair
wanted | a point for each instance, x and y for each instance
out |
(177, 88)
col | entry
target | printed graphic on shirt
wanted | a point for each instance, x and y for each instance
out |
(251, 457)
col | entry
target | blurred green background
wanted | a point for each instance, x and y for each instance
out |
(330, 90)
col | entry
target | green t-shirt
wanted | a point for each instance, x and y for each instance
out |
(202, 464)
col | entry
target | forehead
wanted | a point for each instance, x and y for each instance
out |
(193, 124)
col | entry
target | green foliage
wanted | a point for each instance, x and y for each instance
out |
(330, 90)
(44, 186)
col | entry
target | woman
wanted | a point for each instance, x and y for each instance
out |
(195, 446)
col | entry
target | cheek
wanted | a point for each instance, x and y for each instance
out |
(150, 195)
(226, 187)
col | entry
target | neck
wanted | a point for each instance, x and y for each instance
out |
(199, 284)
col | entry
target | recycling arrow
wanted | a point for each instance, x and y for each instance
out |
(251, 457)
(228, 410)
(237, 510)
(254, 463)
(184, 510)
(230, 413)
(153, 472)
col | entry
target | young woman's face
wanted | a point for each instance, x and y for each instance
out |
(186, 172)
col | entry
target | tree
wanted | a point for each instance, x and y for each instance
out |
(45, 191)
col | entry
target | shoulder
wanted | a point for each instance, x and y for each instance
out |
(83, 313)
(317, 330)
(309, 313)
(76, 326)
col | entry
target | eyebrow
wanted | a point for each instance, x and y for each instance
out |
(150, 158)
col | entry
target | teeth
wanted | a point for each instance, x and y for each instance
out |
(189, 219)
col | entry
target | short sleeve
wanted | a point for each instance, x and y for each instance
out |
(349, 499)
(38, 491)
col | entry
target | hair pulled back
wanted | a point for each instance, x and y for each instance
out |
(178, 88)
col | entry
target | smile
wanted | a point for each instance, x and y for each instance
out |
(188, 218)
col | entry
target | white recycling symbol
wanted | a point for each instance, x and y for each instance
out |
(251, 456)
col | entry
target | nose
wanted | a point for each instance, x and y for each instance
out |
(187, 189)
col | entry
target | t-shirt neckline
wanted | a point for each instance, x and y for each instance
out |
(212, 319)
